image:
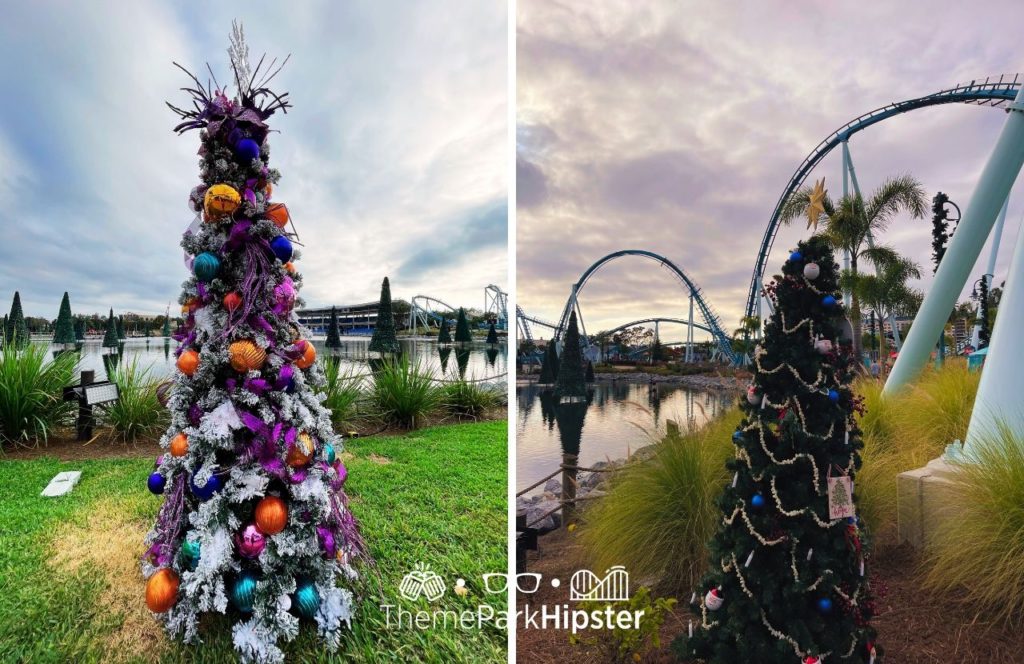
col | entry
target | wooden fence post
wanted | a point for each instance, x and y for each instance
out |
(569, 472)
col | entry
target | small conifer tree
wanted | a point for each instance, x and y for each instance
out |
(462, 333)
(64, 330)
(384, 339)
(333, 331)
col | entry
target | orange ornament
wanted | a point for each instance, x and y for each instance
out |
(188, 362)
(301, 451)
(290, 266)
(162, 590)
(278, 213)
(308, 357)
(179, 445)
(246, 355)
(268, 190)
(232, 301)
(271, 515)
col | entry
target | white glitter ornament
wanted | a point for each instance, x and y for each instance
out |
(811, 271)
(713, 600)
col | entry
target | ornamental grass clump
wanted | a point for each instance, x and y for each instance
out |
(31, 392)
(977, 551)
(137, 412)
(343, 393)
(404, 393)
(466, 399)
(659, 513)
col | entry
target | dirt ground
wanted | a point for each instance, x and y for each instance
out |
(914, 626)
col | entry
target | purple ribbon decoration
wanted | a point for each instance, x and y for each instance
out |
(168, 524)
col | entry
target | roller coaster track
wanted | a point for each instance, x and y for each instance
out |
(648, 321)
(422, 313)
(989, 92)
(711, 319)
(496, 302)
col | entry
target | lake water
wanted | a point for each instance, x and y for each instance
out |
(619, 419)
(475, 362)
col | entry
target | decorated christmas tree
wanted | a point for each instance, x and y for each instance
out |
(384, 339)
(64, 330)
(255, 522)
(444, 335)
(333, 331)
(549, 365)
(788, 581)
(15, 329)
(462, 333)
(571, 381)
(110, 334)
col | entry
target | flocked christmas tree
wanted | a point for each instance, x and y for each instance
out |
(110, 334)
(444, 335)
(384, 339)
(255, 522)
(462, 333)
(571, 381)
(333, 331)
(788, 579)
(15, 329)
(64, 329)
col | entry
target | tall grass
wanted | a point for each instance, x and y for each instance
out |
(404, 392)
(31, 392)
(660, 513)
(905, 431)
(470, 400)
(343, 393)
(978, 546)
(137, 412)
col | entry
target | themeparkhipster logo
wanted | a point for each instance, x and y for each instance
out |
(585, 586)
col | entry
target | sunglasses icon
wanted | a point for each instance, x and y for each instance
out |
(498, 582)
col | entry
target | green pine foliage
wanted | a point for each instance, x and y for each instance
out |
(79, 329)
(384, 339)
(492, 335)
(333, 331)
(444, 335)
(590, 372)
(462, 333)
(110, 336)
(571, 380)
(119, 326)
(167, 326)
(15, 330)
(789, 575)
(64, 330)
(549, 365)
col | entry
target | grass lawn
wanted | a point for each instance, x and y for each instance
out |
(71, 588)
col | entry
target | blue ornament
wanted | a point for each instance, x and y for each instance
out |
(329, 453)
(243, 593)
(833, 396)
(824, 606)
(828, 301)
(206, 266)
(307, 600)
(757, 501)
(205, 492)
(156, 483)
(247, 149)
(737, 436)
(796, 256)
(190, 554)
(282, 248)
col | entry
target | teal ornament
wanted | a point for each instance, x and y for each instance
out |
(796, 256)
(243, 593)
(329, 453)
(206, 266)
(190, 554)
(282, 248)
(828, 301)
(307, 600)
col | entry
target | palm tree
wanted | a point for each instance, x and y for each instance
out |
(887, 292)
(749, 325)
(853, 223)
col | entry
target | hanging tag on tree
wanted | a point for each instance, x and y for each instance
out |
(840, 496)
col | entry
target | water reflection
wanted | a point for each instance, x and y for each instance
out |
(617, 419)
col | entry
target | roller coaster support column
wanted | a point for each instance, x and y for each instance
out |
(689, 334)
(974, 228)
(997, 233)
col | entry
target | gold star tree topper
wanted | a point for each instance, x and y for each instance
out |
(816, 204)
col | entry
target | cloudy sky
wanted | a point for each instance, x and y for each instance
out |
(393, 159)
(674, 127)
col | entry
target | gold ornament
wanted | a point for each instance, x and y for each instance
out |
(221, 200)
(816, 204)
(301, 451)
(246, 355)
